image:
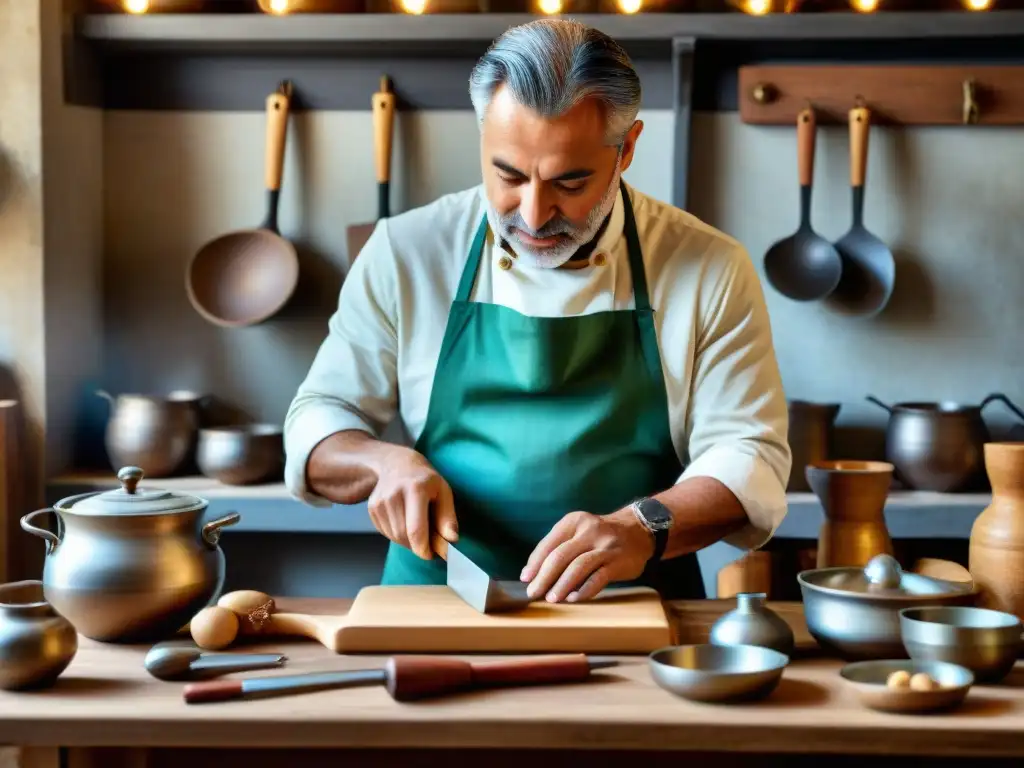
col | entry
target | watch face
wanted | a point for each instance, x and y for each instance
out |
(655, 513)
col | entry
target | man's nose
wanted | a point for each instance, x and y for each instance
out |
(534, 208)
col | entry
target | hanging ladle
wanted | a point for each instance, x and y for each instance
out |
(869, 269)
(804, 266)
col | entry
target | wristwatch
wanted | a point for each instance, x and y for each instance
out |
(656, 518)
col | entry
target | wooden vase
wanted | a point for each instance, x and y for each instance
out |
(852, 495)
(996, 553)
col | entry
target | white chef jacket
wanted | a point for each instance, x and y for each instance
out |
(727, 408)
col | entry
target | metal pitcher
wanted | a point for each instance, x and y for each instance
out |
(939, 446)
(810, 438)
(132, 564)
(158, 434)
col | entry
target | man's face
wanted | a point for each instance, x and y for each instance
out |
(550, 183)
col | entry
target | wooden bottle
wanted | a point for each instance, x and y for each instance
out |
(996, 553)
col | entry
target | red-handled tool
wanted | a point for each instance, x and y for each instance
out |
(408, 678)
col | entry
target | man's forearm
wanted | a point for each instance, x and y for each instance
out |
(704, 512)
(345, 466)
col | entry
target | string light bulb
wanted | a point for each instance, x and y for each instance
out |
(136, 6)
(630, 6)
(550, 7)
(865, 6)
(278, 6)
(415, 7)
(757, 7)
(977, 5)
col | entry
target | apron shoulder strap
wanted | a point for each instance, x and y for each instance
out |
(472, 263)
(636, 257)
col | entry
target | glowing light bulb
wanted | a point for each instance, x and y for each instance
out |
(865, 6)
(757, 7)
(279, 6)
(550, 6)
(977, 5)
(630, 6)
(136, 6)
(415, 7)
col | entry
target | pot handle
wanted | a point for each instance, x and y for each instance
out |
(1005, 401)
(211, 531)
(876, 401)
(52, 540)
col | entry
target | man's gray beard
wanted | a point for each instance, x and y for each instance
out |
(573, 237)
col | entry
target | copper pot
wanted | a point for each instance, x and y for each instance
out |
(810, 438)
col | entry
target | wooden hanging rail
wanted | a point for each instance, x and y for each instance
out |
(896, 94)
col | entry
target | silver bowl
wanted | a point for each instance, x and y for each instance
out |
(854, 613)
(717, 673)
(242, 455)
(868, 679)
(984, 641)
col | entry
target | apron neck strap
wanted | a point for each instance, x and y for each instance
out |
(472, 263)
(636, 258)
(636, 255)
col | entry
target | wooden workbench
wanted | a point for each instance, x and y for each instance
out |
(106, 699)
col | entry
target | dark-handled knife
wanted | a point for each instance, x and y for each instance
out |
(408, 678)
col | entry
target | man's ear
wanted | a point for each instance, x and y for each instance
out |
(629, 144)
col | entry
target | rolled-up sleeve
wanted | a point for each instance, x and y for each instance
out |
(351, 383)
(738, 419)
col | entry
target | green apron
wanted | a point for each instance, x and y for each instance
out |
(531, 418)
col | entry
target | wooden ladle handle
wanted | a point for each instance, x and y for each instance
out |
(806, 136)
(860, 124)
(278, 108)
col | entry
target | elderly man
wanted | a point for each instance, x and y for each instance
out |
(587, 373)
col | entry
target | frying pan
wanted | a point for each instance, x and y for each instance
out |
(383, 123)
(244, 277)
(804, 266)
(869, 269)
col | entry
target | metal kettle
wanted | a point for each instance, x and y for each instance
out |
(939, 446)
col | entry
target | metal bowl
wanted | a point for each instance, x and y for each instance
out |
(868, 681)
(242, 455)
(854, 613)
(717, 673)
(984, 641)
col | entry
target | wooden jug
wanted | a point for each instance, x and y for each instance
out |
(852, 495)
(996, 553)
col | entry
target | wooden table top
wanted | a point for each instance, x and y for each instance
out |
(106, 698)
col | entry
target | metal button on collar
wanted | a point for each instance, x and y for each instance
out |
(505, 263)
(599, 259)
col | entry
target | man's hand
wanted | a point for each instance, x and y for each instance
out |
(583, 553)
(400, 504)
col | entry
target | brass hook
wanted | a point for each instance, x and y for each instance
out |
(971, 110)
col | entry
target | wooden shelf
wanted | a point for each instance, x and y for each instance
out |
(271, 509)
(444, 30)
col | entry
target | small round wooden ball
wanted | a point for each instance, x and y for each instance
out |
(214, 628)
(922, 682)
(899, 679)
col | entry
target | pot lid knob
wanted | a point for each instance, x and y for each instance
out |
(130, 478)
(883, 571)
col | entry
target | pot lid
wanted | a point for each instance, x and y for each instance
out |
(129, 499)
(882, 578)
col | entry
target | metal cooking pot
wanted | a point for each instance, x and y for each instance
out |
(133, 564)
(156, 433)
(855, 612)
(939, 446)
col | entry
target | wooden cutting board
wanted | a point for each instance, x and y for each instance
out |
(434, 619)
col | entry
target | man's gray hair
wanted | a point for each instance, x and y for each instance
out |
(551, 65)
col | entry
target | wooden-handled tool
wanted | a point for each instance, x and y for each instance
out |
(247, 612)
(383, 130)
(408, 678)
